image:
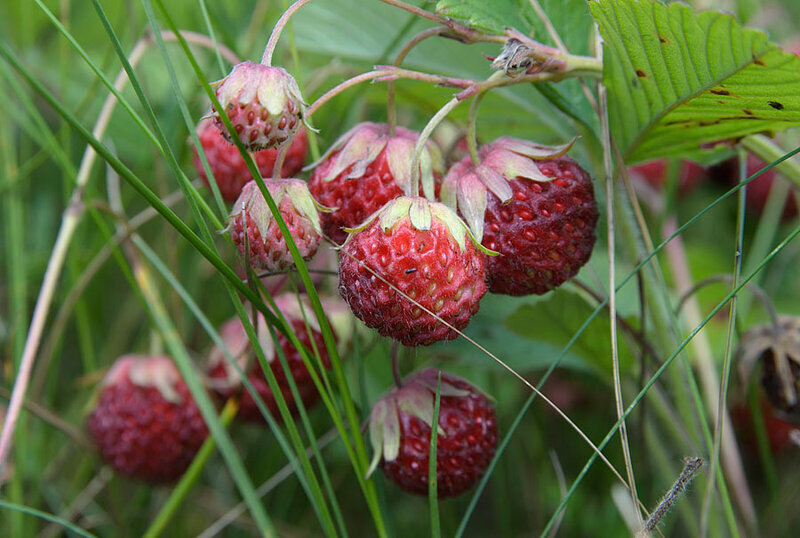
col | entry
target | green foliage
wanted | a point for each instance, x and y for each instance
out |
(556, 320)
(678, 80)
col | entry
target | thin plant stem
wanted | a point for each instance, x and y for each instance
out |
(269, 50)
(69, 223)
(472, 128)
(191, 476)
(433, 483)
(756, 290)
(398, 379)
(502, 363)
(271, 483)
(423, 137)
(612, 295)
(734, 470)
(654, 378)
(726, 364)
(398, 61)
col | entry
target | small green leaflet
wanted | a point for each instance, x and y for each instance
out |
(679, 80)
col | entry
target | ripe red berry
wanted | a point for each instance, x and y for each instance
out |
(533, 205)
(229, 169)
(225, 379)
(424, 250)
(267, 246)
(400, 433)
(146, 424)
(263, 103)
(363, 170)
(690, 174)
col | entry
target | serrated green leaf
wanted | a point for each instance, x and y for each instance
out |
(678, 80)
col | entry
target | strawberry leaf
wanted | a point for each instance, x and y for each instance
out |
(678, 80)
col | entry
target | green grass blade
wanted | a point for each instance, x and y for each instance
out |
(433, 484)
(98, 72)
(563, 353)
(788, 239)
(47, 517)
(361, 461)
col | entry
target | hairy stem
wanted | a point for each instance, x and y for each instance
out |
(269, 50)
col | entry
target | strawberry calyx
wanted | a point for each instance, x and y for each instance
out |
(416, 397)
(274, 88)
(420, 212)
(251, 201)
(362, 144)
(157, 371)
(465, 186)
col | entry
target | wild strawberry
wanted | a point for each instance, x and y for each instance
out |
(690, 174)
(400, 433)
(263, 103)
(225, 379)
(412, 249)
(366, 168)
(267, 246)
(229, 169)
(146, 424)
(533, 205)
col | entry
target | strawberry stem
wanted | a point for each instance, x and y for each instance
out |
(395, 368)
(472, 121)
(423, 137)
(278, 166)
(269, 50)
(398, 61)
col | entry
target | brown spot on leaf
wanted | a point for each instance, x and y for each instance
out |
(662, 39)
(759, 61)
(747, 111)
(776, 105)
(641, 74)
(720, 91)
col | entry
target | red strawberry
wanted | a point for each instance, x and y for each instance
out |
(363, 170)
(533, 205)
(268, 250)
(424, 250)
(654, 173)
(263, 103)
(226, 381)
(229, 169)
(146, 424)
(400, 433)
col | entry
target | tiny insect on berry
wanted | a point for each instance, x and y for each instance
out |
(412, 259)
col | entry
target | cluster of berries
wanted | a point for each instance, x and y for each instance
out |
(419, 248)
